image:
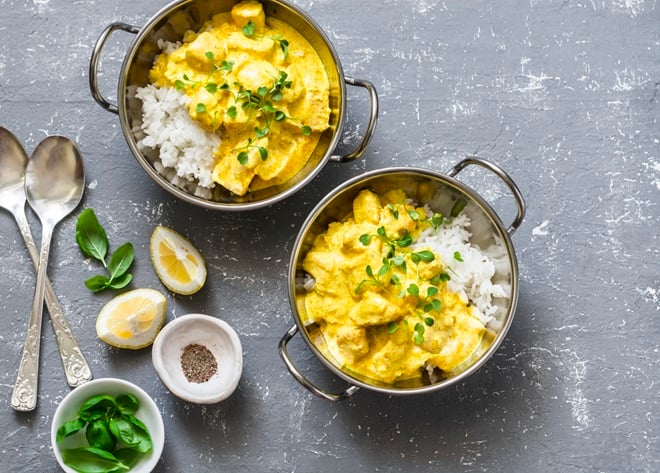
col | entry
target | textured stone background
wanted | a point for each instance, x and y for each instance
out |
(562, 95)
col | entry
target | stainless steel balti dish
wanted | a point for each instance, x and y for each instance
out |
(488, 233)
(170, 24)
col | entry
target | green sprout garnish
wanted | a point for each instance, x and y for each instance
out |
(249, 31)
(262, 102)
(418, 337)
(392, 327)
(458, 207)
(373, 278)
(424, 255)
(243, 155)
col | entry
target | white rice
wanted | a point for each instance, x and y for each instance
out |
(183, 145)
(470, 278)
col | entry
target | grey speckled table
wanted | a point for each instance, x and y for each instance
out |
(562, 95)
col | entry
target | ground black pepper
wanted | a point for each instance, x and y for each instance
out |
(198, 363)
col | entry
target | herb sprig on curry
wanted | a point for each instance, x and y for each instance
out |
(257, 84)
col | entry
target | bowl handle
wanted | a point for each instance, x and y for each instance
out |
(95, 59)
(371, 126)
(301, 379)
(520, 202)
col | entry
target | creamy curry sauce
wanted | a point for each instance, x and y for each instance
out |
(257, 83)
(373, 299)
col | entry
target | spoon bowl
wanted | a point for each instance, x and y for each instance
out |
(54, 186)
(54, 179)
(13, 161)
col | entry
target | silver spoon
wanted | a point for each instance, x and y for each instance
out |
(13, 161)
(54, 185)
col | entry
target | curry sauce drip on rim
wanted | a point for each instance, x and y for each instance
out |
(378, 291)
(257, 84)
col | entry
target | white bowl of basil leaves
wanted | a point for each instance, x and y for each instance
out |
(107, 425)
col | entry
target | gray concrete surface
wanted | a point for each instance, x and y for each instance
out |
(562, 95)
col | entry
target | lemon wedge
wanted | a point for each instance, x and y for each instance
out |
(179, 265)
(132, 319)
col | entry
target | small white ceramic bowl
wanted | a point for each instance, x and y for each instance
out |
(148, 413)
(214, 334)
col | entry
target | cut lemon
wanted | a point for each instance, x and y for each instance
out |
(178, 264)
(132, 319)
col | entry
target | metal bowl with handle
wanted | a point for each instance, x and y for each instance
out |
(170, 24)
(441, 191)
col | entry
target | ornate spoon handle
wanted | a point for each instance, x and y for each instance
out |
(24, 396)
(75, 366)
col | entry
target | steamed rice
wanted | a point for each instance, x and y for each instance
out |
(470, 278)
(183, 145)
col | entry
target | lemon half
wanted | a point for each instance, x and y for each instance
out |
(179, 265)
(132, 319)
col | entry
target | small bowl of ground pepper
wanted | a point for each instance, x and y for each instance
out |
(199, 358)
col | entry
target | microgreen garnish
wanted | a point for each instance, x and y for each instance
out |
(402, 242)
(458, 207)
(372, 278)
(418, 337)
(93, 242)
(211, 87)
(249, 31)
(186, 81)
(243, 155)
(413, 290)
(392, 327)
(435, 220)
(116, 437)
(424, 255)
(413, 214)
(457, 256)
(262, 102)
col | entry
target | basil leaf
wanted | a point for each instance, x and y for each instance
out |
(99, 436)
(127, 403)
(120, 282)
(121, 260)
(128, 456)
(141, 434)
(97, 283)
(92, 460)
(69, 428)
(137, 422)
(124, 431)
(102, 402)
(91, 236)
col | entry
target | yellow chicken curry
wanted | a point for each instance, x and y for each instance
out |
(257, 83)
(380, 300)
